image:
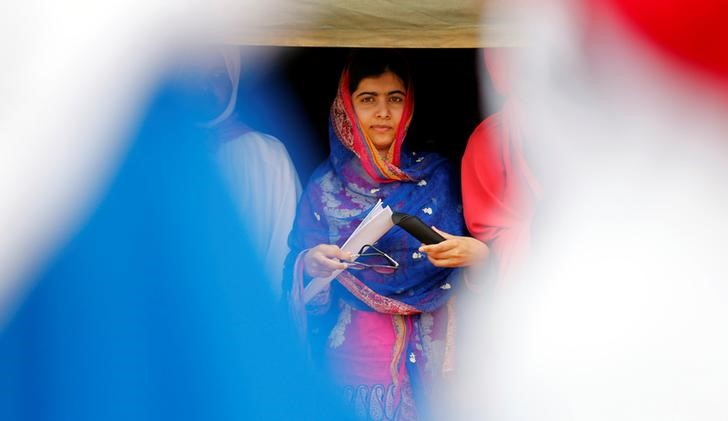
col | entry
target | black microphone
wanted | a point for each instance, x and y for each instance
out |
(416, 228)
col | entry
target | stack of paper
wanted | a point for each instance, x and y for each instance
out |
(377, 222)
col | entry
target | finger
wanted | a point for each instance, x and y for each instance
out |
(440, 247)
(329, 250)
(345, 255)
(334, 252)
(443, 233)
(439, 255)
(453, 261)
(443, 263)
(339, 265)
(330, 264)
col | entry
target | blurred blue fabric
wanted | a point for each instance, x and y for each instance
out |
(155, 309)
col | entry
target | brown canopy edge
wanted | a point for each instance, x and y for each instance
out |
(381, 23)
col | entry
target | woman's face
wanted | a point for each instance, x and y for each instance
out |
(378, 103)
(206, 78)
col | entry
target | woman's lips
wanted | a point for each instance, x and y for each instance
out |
(381, 128)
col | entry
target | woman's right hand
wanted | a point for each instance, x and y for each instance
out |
(456, 251)
(324, 259)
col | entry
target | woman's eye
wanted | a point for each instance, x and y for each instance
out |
(396, 99)
(367, 100)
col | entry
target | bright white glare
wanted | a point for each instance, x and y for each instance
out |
(74, 76)
(622, 314)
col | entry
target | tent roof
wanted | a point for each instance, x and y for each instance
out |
(381, 23)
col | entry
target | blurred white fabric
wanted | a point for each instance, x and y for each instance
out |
(75, 75)
(621, 314)
(266, 188)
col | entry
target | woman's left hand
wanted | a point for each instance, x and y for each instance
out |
(456, 251)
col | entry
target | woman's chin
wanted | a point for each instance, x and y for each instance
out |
(382, 144)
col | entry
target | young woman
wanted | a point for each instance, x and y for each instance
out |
(384, 330)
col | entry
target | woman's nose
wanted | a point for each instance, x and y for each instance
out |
(383, 110)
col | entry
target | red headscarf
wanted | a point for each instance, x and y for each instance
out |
(355, 139)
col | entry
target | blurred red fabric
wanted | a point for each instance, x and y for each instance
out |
(693, 32)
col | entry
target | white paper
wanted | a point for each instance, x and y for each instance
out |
(377, 222)
(376, 210)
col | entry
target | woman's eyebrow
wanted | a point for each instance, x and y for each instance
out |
(372, 93)
(366, 93)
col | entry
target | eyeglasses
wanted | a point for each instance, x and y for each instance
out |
(370, 257)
